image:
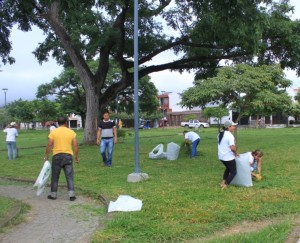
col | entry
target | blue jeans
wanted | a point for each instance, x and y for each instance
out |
(11, 149)
(106, 150)
(65, 162)
(194, 147)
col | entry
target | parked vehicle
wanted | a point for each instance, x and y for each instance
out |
(194, 124)
(144, 124)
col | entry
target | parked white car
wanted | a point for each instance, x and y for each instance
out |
(194, 124)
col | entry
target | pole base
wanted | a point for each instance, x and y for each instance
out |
(136, 177)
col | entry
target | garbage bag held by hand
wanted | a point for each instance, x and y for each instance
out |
(157, 152)
(44, 174)
(243, 169)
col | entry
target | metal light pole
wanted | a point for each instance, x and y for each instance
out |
(4, 90)
(137, 175)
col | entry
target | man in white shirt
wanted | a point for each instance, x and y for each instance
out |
(11, 144)
(193, 139)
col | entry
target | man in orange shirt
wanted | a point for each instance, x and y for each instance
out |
(61, 140)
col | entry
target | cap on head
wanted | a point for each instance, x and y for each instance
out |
(13, 124)
(229, 123)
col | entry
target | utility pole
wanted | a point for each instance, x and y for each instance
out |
(4, 90)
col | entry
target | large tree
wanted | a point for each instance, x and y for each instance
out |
(250, 90)
(69, 92)
(200, 32)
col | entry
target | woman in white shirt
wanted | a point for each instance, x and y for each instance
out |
(227, 152)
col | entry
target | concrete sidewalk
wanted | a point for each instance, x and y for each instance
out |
(50, 221)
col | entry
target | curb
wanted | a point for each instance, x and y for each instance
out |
(12, 214)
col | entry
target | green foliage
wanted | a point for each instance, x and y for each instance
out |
(217, 112)
(190, 117)
(70, 93)
(121, 133)
(203, 33)
(182, 200)
(36, 110)
(250, 90)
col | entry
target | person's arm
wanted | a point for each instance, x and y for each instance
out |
(98, 135)
(115, 131)
(76, 150)
(233, 149)
(259, 165)
(48, 148)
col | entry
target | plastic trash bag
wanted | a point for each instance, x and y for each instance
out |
(243, 169)
(42, 178)
(172, 151)
(125, 203)
(157, 152)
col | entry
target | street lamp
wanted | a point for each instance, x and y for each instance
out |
(4, 90)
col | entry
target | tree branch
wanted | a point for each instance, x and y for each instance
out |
(76, 58)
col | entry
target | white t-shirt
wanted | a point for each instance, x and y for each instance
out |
(251, 158)
(11, 134)
(224, 151)
(253, 164)
(52, 128)
(191, 136)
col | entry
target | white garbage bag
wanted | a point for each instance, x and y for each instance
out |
(157, 152)
(172, 151)
(125, 203)
(43, 177)
(243, 169)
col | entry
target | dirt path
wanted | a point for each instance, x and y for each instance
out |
(51, 220)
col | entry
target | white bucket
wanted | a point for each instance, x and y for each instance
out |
(172, 151)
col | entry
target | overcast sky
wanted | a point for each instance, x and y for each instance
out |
(22, 78)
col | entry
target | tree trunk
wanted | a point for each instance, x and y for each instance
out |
(92, 112)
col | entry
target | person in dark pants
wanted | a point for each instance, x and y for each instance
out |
(107, 137)
(61, 140)
(227, 152)
(193, 139)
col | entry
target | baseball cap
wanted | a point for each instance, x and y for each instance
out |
(13, 124)
(229, 123)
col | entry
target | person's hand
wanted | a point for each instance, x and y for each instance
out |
(76, 160)
(259, 177)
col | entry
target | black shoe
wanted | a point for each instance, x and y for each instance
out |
(72, 198)
(52, 198)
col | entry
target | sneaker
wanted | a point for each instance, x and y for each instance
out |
(50, 197)
(72, 198)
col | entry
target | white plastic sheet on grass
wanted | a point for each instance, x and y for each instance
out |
(157, 152)
(125, 203)
(42, 178)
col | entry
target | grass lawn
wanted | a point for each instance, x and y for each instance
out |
(182, 200)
